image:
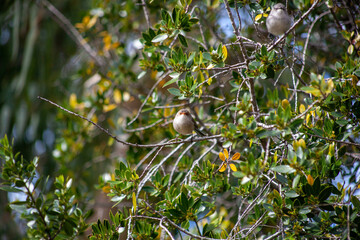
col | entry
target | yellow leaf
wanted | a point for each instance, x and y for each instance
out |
(210, 66)
(117, 96)
(86, 20)
(310, 179)
(224, 52)
(200, 92)
(110, 107)
(210, 212)
(92, 21)
(209, 81)
(94, 119)
(251, 141)
(167, 112)
(222, 167)
(106, 189)
(265, 15)
(302, 108)
(236, 156)
(221, 156)
(200, 77)
(134, 201)
(111, 123)
(329, 87)
(233, 167)
(285, 103)
(275, 156)
(73, 101)
(295, 145)
(226, 153)
(331, 150)
(258, 17)
(314, 91)
(308, 118)
(350, 49)
(302, 143)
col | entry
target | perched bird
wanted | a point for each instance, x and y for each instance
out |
(278, 21)
(184, 123)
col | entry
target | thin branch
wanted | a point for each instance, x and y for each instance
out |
(146, 12)
(196, 139)
(236, 31)
(147, 156)
(305, 112)
(196, 162)
(66, 25)
(307, 40)
(177, 162)
(163, 218)
(147, 97)
(145, 127)
(166, 230)
(333, 140)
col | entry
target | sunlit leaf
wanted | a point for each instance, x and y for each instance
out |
(236, 156)
(224, 52)
(258, 17)
(223, 167)
(73, 101)
(222, 156)
(134, 201)
(117, 96)
(302, 108)
(108, 108)
(160, 38)
(310, 179)
(314, 91)
(233, 167)
(226, 153)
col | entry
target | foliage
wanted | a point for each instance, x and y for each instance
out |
(49, 214)
(281, 117)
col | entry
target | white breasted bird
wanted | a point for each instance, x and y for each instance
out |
(278, 21)
(185, 124)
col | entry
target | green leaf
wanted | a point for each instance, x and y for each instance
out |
(160, 37)
(342, 122)
(356, 202)
(174, 80)
(316, 187)
(296, 181)
(175, 91)
(296, 124)
(283, 169)
(10, 189)
(183, 40)
(207, 56)
(291, 194)
(314, 91)
(141, 74)
(325, 194)
(267, 133)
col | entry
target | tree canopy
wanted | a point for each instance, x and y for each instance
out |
(89, 92)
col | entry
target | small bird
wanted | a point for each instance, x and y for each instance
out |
(185, 124)
(278, 21)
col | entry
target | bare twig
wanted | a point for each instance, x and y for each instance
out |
(196, 139)
(307, 40)
(146, 12)
(147, 97)
(66, 25)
